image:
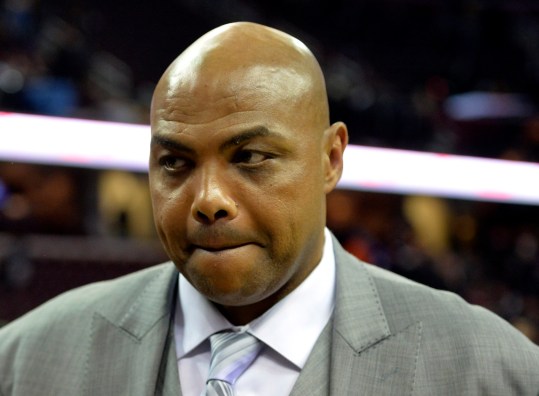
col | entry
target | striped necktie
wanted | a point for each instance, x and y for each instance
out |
(231, 354)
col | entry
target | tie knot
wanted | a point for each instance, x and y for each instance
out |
(231, 354)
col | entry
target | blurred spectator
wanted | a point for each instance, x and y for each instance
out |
(40, 199)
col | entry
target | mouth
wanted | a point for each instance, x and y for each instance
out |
(218, 248)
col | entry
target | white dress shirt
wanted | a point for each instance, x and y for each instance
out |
(289, 331)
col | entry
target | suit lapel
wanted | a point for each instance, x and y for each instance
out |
(314, 378)
(168, 381)
(131, 347)
(367, 357)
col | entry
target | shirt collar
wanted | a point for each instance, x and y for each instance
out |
(306, 310)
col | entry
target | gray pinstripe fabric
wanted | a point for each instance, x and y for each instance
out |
(388, 336)
(231, 354)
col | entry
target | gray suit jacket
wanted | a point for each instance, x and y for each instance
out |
(388, 336)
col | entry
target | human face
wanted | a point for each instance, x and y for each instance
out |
(237, 184)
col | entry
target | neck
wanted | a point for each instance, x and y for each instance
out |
(244, 314)
(240, 316)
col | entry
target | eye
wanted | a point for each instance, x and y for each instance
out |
(172, 163)
(250, 157)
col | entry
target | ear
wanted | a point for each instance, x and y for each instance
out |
(335, 141)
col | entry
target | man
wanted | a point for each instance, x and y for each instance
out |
(242, 156)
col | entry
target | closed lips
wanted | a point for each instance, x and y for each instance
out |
(218, 248)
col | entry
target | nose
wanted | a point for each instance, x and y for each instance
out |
(212, 200)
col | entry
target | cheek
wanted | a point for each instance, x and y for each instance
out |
(293, 209)
(170, 211)
(158, 204)
(304, 196)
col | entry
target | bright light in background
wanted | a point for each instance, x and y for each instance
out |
(74, 142)
(108, 145)
(454, 176)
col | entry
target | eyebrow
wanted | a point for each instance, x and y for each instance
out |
(167, 143)
(238, 139)
(235, 140)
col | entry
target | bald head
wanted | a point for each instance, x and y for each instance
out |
(246, 60)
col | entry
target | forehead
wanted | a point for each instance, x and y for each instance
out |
(257, 84)
(257, 94)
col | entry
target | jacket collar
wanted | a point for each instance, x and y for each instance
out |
(130, 348)
(358, 353)
(359, 315)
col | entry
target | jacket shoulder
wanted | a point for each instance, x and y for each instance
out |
(405, 300)
(48, 344)
(101, 295)
(463, 346)
(448, 346)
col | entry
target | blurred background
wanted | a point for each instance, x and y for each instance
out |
(459, 77)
